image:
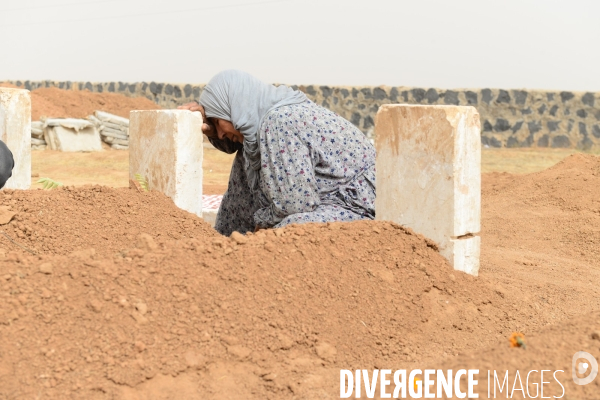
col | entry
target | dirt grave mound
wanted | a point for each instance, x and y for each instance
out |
(541, 229)
(277, 314)
(59, 103)
(570, 185)
(108, 219)
(541, 243)
(551, 349)
(276, 304)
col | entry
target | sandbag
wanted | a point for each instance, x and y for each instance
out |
(68, 139)
(114, 133)
(116, 127)
(115, 119)
(72, 123)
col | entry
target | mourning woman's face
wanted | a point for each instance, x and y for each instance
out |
(225, 129)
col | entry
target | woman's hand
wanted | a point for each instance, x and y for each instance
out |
(207, 127)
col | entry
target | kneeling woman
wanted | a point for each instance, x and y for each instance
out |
(296, 161)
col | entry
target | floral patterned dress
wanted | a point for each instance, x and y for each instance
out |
(315, 167)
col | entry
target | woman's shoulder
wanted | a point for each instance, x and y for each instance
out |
(284, 113)
(306, 109)
(289, 107)
(307, 116)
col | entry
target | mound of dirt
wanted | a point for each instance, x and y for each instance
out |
(164, 307)
(277, 304)
(541, 243)
(58, 103)
(107, 219)
(552, 350)
(561, 205)
(544, 229)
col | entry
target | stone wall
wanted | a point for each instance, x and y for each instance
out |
(509, 118)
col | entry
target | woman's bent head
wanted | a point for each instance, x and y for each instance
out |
(225, 129)
(242, 100)
(237, 102)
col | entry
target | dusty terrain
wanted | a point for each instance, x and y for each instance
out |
(111, 168)
(165, 308)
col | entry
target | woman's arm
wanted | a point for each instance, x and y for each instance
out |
(287, 178)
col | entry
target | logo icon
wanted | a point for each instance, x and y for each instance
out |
(584, 363)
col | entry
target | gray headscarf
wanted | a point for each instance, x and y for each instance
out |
(242, 99)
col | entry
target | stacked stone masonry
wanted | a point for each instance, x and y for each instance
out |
(509, 118)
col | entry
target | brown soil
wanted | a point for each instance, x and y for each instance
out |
(59, 103)
(551, 349)
(279, 313)
(66, 220)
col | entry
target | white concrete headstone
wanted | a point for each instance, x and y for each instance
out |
(165, 148)
(429, 176)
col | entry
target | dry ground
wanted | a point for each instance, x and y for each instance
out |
(522, 161)
(110, 167)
